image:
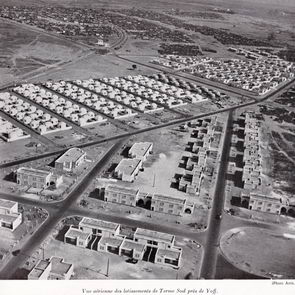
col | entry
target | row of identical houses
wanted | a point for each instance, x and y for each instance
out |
(147, 88)
(260, 76)
(206, 137)
(247, 152)
(58, 104)
(158, 202)
(92, 94)
(249, 194)
(128, 168)
(147, 245)
(252, 153)
(29, 115)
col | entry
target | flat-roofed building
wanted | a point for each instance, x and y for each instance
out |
(127, 169)
(99, 227)
(191, 182)
(132, 249)
(265, 203)
(10, 221)
(141, 150)
(54, 269)
(160, 247)
(154, 238)
(110, 244)
(37, 178)
(33, 177)
(77, 237)
(70, 160)
(165, 204)
(10, 218)
(169, 256)
(8, 207)
(105, 236)
(121, 195)
(159, 203)
(60, 269)
(40, 271)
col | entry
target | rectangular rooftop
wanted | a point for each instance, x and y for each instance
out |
(71, 155)
(121, 189)
(34, 172)
(6, 204)
(99, 224)
(140, 149)
(153, 235)
(168, 199)
(128, 166)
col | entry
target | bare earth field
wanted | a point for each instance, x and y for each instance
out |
(25, 50)
(253, 249)
(95, 66)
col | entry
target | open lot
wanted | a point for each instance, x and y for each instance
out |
(25, 50)
(95, 67)
(253, 251)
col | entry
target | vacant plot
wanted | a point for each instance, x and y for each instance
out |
(260, 251)
(23, 50)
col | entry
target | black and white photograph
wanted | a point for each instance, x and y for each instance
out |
(147, 141)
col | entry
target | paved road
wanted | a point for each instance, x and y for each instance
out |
(44, 230)
(213, 231)
(75, 210)
(120, 136)
(122, 40)
(275, 93)
(28, 201)
(152, 225)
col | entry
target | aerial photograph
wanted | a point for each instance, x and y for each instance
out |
(147, 140)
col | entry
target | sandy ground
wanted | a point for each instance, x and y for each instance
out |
(260, 251)
(162, 164)
(96, 66)
(26, 50)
